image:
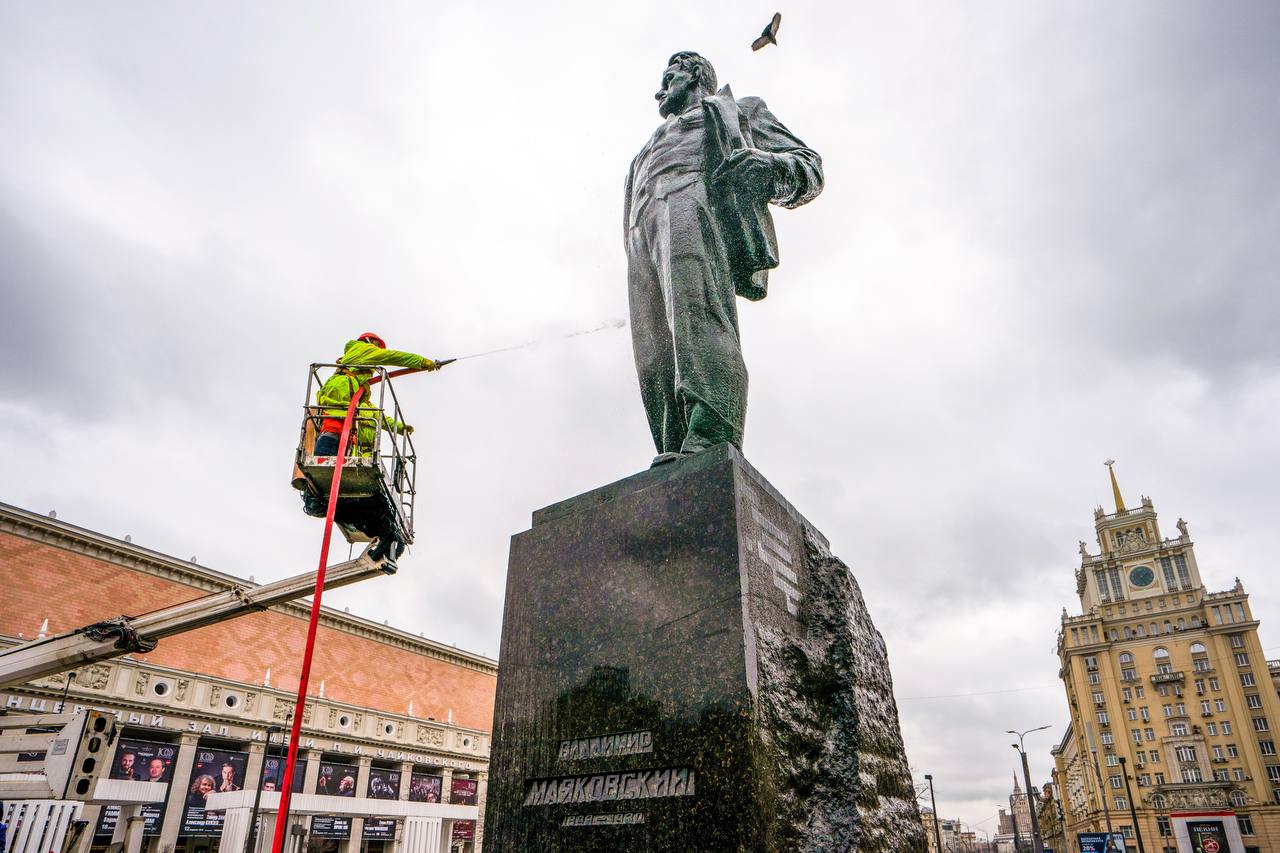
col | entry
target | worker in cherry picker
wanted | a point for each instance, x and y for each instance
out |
(373, 516)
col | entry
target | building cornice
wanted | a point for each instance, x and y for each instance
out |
(78, 540)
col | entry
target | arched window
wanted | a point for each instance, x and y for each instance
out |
(1182, 624)
(1155, 629)
(1161, 652)
(1126, 657)
(1128, 634)
(1168, 627)
(1115, 635)
(1140, 631)
(1238, 799)
(1157, 801)
(1163, 664)
(1198, 649)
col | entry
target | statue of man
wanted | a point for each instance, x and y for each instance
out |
(697, 230)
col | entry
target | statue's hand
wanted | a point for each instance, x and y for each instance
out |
(747, 169)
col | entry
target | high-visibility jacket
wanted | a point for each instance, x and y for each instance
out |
(335, 395)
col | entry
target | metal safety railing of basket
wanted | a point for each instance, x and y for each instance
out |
(391, 455)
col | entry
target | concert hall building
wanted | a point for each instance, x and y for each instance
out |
(397, 725)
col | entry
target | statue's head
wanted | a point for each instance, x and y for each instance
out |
(688, 76)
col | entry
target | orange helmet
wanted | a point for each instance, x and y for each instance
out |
(373, 338)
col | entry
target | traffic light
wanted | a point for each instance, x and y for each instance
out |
(77, 756)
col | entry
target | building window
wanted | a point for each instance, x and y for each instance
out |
(1140, 692)
(1273, 772)
(1150, 735)
(1105, 720)
(1217, 753)
(1186, 753)
(1214, 685)
(1245, 821)
(1115, 780)
(1253, 700)
(1199, 686)
(1159, 778)
(1090, 662)
(1237, 641)
(1166, 568)
(1220, 776)
(1113, 761)
(1144, 780)
(1139, 631)
(1121, 804)
(1095, 678)
(1191, 774)
(1132, 714)
(1240, 612)
(1137, 736)
(1178, 729)
(1226, 727)
(1184, 576)
(1267, 747)
(1237, 773)
(1107, 739)
(1221, 705)
(1146, 713)
(1168, 710)
(1126, 693)
(1211, 728)
(1206, 707)
(1242, 658)
(1117, 591)
(1126, 830)
(1099, 699)
(1260, 724)
(1246, 680)
(1232, 752)
(1162, 822)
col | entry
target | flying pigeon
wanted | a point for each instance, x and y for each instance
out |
(769, 35)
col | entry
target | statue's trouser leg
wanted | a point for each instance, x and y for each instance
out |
(711, 378)
(683, 308)
(651, 333)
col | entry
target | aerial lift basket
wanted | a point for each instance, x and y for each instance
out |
(385, 469)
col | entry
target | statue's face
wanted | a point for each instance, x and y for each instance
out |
(679, 87)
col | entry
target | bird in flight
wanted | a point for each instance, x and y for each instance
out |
(769, 35)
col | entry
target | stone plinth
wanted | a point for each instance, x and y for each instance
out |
(685, 666)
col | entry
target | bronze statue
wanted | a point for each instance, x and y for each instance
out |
(698, 231)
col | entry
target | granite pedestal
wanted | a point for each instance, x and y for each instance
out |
(684, 666)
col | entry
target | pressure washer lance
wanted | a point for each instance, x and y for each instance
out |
(608, 324)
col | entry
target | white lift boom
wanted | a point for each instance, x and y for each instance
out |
(124, 634)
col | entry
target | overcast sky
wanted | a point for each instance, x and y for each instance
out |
(1049, 236)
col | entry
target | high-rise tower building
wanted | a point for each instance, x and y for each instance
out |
(1168, 685)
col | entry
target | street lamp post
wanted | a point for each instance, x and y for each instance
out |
(250, 842)
(1133, 812)
(1036, 842)
(937, 835)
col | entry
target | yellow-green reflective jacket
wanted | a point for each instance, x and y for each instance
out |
(335, 395)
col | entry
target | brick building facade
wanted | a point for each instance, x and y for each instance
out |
(387, 704)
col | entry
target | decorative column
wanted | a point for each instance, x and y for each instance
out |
(356, 839)
(482, 792)
(406, 779)
(446, 785)
(253, 769)
(172, 820)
